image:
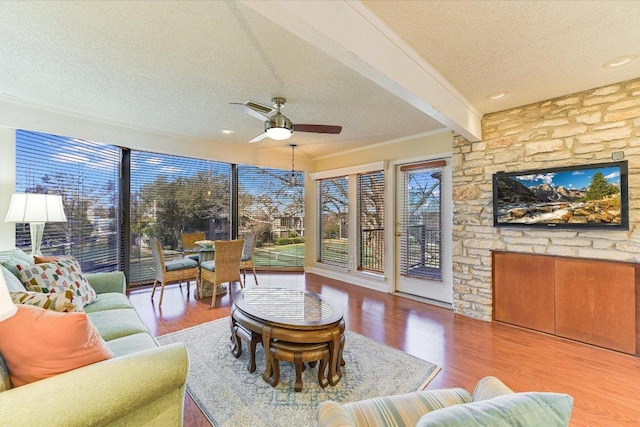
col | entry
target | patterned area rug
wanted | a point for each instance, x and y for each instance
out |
(231, 396)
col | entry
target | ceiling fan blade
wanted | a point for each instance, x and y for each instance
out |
(318, 129)
(260, 137)
(259, 111)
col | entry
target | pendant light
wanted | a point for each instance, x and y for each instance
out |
(292, 179)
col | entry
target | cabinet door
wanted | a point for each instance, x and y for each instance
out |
(595, 303)
(524, 290)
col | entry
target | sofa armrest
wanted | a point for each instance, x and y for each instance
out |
(401, 409)
(332, 414)
(104, 393)
(114, 281)
(490, 387)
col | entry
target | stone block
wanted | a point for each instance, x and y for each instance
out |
(589, 119)
(607, 90)
(605, 135)
(550, 123)
(635, 84)
(500, 143)
(543, 146)
(622, 115)
(588, 149)
(611, 125)
(628, 103)
(464, 192)
(506, 157)
(568, 101)
(571, 242)
(561, 251)
(603, 99)
(564, 132)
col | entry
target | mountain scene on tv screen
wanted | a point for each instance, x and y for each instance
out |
(588, 196)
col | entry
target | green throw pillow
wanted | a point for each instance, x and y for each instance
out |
(514, 410)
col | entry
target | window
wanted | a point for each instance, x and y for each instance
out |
(87, 175)
(371, 222)
(271, 204)
(333, 211)
(420, 251)
(171, 195)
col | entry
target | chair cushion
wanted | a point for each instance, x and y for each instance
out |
(245, 257)
(195, 257)
(38, 343)
(208, 265)
(180, 264)
(518, 409)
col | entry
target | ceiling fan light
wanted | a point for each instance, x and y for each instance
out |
(279, 133)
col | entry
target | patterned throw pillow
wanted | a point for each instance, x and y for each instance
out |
(51, 278)
(64, 302)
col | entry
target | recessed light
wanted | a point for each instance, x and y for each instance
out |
(498, 95)
(227, 131)
(620, 61)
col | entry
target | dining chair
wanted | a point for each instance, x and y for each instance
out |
(246, 261)
(225, 267)
(189, 246)
(171, 271)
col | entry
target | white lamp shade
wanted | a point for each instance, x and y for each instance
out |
(7, 307)
(29, 207)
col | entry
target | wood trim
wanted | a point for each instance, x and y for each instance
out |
(423, 165)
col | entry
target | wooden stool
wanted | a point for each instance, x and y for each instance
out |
(252, 339)
(299, 354)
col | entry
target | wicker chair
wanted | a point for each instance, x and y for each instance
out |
(189, 246)
(246, 261)
(171, 271)
(225, 266)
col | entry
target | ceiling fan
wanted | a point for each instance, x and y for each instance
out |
(276, 125)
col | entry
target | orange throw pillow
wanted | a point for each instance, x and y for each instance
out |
(47, 258)
(38, 343)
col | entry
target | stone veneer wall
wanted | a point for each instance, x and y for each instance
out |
(582, 128)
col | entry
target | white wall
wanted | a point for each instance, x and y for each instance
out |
(7, 185)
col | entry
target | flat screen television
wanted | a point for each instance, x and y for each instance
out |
(584, 196)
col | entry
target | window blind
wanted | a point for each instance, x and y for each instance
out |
(171, 195)
(271, 204)
(371, 222)
(420, 249)
(333, 211)
(87, 175)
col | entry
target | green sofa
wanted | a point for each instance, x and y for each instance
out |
(143, 385)
(491, 404)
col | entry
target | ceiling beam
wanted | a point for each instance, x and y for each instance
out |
(349, 32)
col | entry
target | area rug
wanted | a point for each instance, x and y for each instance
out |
(231, 396)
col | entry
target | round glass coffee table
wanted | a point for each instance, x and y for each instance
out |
(264, 314)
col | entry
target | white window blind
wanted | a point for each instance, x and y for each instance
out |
(171, 195)
(86, 174)
(271, 204)
(371, 221)
(420, 251)
(333, 212)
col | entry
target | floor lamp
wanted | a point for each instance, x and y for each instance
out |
(37, 210)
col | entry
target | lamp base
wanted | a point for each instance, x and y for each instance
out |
(37, 231)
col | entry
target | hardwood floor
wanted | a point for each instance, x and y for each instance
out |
(605, 384)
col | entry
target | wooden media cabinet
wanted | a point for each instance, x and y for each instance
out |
(587, 300)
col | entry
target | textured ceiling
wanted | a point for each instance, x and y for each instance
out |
(173, 67)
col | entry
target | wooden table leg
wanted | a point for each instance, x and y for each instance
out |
(266, 344)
